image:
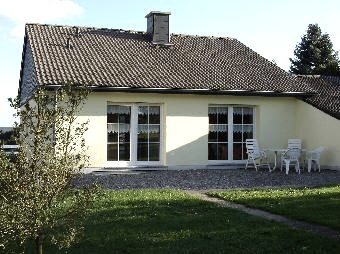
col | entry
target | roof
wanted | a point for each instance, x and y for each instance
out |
(327, 98)
(5, 129)
(114, 58)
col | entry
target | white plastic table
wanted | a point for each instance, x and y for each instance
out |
(277, 151)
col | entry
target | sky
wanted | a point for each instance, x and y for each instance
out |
(270, 27)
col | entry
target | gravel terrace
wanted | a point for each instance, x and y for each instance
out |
(203, 179)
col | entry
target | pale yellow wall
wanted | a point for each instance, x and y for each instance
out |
(186, 122)
(319, 129)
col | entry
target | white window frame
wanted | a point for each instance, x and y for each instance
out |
(133, 138)
(230, 133)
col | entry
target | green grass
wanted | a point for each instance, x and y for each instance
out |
(319, 205)
(171, 221)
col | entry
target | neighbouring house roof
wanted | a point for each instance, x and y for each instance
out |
(327, 98)
(111, 58)
(6, 129)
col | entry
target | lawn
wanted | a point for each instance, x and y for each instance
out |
(171, 221)
(319, 205)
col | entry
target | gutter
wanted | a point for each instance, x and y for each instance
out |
(195, 91)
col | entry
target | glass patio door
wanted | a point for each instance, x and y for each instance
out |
(133, 134)
(148, 137)
(229, 127)
(118, 132)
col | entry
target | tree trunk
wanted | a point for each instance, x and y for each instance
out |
(38, 245)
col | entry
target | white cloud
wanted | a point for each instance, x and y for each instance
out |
(36, 11)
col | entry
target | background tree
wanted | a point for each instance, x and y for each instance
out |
(37, 199)
(314, 55)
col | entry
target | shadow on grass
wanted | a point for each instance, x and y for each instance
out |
(170, 221)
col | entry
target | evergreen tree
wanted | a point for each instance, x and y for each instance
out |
(314, 55)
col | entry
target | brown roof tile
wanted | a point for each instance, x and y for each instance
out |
(118, 58)
(327, 98)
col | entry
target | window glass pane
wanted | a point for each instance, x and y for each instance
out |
(112, 152)
(143, 115)
(154, 115)
(112, 137)
(154, 152)
(124, 137)
(154, 133)
(247, 115)
(124, 151)
(212, 137)
(112, 118)
(223, 115)
(142, 152)
(237, 151)
(124, 118)
(237, 115)
(247, 132)
(212, 113)
(237, 133)
(222, 135)
(143, 133)
(212, 151)
(222, 151)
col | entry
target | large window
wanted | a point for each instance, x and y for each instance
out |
(229, 127)
(133, 133)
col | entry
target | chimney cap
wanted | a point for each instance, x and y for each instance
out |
(157, 12)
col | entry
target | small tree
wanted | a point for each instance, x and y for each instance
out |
(314, 55)
(37, 199)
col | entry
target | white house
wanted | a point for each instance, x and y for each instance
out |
(175, 100)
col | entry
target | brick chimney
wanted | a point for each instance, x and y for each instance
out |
(158, 27)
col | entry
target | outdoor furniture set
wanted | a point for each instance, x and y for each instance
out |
(293, 155)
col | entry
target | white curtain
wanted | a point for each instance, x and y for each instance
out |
(242, 128)
(237, 111)
(154, 128)
(143, 128)
(247, 111)
(117, 109)
(248, 128)
(148, 128)
(237, 128)
(154, 110)
(218, 110)
(121, 128)
(218, 127)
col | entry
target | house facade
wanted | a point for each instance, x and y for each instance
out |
(175, 101)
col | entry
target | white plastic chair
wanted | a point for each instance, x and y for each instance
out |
(314, 156)
(255, 155)
(294, 143)
(291, 157)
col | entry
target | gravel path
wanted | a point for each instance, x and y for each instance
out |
(203, 179)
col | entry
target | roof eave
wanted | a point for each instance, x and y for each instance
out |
(195, 91)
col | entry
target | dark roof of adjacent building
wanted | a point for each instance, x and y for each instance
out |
(111, 58)
(5, 129)
(327, 98)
